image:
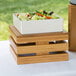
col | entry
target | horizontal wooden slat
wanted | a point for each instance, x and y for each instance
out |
(40, 59)
(20, 39)
(39, 49)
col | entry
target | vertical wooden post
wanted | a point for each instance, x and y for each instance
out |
(72, 27)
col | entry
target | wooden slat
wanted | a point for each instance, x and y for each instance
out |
(42, 43)
(20, 39)
(40, 59)
(18, 34)
(39, 49)
(13, 53)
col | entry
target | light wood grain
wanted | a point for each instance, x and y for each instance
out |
(42, 43)
(20, 39)
(39, 49)
(13, 53)
(40, 59)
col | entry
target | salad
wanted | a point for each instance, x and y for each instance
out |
(37, 15)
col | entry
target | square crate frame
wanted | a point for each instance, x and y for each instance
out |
(42, 48)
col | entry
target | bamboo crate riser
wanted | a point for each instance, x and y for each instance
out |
(20, 39)
(44, 49)
(39, 59)
(37, 48)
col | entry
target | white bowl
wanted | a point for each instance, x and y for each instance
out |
(38, 26)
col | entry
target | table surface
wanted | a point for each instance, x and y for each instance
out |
(8, 66)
